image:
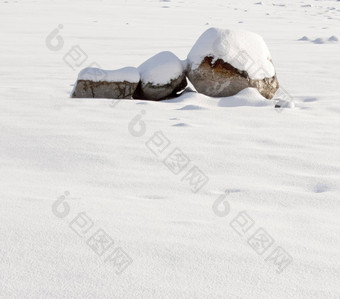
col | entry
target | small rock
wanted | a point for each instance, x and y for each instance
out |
(97, 83)
(162, 76)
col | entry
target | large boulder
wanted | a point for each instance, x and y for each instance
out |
(97, 83)
(162, 76)
(224, 62)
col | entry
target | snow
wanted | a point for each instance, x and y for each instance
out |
(129, 74)
(333, 39)
(161, 68)
(247, 97)
(304, 38)
(284, 104)
(320, 40)
(244, 50)
(280, 166)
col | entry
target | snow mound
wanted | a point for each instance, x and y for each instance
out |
(129, 74)
(244, 50)
(333, 38)
(246, 97)
(319, 40)
(304, 38)
(192, 107)
(161, 68)
(249, 97)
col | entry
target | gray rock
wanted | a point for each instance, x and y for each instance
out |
(162, 77)
(96, 83)
(157, 92)
(103, 89)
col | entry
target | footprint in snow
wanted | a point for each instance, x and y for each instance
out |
(320, 188)
(191, 107)
(309, 100)
(180, 125)
(320, 40)
(304, 38)
(333, 38)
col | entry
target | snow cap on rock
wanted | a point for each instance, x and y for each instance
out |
(161, 68)
(243, 50)
(129, 74)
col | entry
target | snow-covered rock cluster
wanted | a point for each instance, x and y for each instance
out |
(221, 63)
(158, 78)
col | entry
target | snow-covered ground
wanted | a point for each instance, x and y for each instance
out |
(75, 170)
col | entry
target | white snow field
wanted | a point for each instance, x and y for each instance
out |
(264, 222)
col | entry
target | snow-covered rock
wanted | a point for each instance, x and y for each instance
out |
(162, 75)
(223, 62)
(113, 84)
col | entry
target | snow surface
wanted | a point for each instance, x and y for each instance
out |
(161, 68)
(281, 166)
(129, 74)
(244, 50)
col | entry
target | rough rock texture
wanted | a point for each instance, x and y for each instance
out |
(222, 62)
(104, 89)
(157, 92)
(221, 79)
(162, 76)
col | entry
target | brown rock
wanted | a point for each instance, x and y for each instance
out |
(221, 79)
(222, 62)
